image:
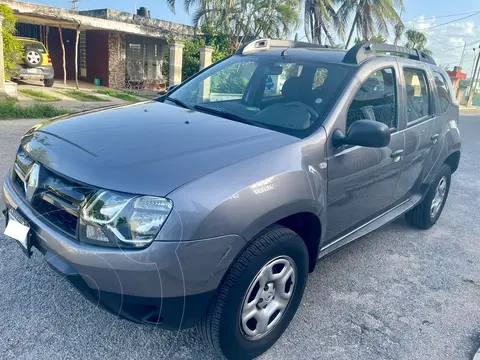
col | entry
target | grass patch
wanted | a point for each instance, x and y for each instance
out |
(40, 95)
(10, 109)
(82, 96)
(123, 95)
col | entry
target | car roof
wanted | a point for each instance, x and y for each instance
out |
(356, 56)
(324, 55)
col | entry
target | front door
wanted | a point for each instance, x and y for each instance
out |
(361, 180)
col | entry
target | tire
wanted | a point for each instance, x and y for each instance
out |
(422, 216)
(32, 58)
(222, 328)
(48, 82)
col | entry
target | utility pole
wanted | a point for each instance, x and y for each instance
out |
(463, 54)
(75, 5)
(473, 66)
(474, 83)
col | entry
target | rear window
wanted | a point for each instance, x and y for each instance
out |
(34, 46)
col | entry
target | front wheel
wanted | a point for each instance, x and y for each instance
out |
(426, 214)
(259, 296)
(48, 82)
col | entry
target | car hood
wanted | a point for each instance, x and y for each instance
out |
(150, 148)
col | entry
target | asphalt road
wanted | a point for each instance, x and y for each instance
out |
(397, 293)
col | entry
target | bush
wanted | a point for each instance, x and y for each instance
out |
(191, 52)
(12, 47)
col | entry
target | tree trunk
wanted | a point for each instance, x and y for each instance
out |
(63, 57)
(351, 30)
(47, 30)
(76, 57)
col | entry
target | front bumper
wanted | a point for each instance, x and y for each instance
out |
(41, 72)
(169, 284)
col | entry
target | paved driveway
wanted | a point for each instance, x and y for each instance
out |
(398, 293)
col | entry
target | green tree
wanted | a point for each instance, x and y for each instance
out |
(319, 19)
(191, 52)
(369, 17)
(417, 40)
(375, 38)
(241, 20)
(12, 47)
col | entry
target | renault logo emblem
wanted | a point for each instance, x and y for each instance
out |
(31, 182)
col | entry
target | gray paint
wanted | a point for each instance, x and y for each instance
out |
(228, 181)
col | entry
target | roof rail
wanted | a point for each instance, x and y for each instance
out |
(267, 44)
(367, 49)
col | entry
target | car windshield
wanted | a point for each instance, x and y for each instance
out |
(291, 96)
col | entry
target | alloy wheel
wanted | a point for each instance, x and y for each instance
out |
(439, 197)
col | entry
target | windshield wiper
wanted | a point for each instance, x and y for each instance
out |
(228, 115)
(180, 103)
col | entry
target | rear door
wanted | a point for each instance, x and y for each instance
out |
(419, 112)
(361, 180)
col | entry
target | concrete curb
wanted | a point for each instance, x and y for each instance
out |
(472, 108)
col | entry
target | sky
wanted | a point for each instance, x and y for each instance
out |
(446, 41)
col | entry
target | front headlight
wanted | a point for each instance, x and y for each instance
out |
(114, 219)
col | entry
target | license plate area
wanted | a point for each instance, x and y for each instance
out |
(32, 71)
(19, 229)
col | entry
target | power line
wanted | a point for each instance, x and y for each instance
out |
(450, 22)
(441, 16)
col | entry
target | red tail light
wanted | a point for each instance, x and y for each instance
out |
(49, 59)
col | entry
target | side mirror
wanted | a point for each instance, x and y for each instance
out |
(368, 133)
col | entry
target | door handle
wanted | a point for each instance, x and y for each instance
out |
(434, 138)
(397, 155)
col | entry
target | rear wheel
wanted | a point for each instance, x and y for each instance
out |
(259, 296)
(32, 58)
(426, 214)
(48, 82)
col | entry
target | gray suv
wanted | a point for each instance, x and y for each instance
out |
(210, 206)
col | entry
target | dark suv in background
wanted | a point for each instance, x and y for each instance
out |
(210, 206)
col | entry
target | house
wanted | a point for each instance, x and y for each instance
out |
(117, 49)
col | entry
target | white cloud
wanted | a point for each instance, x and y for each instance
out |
(447, 41)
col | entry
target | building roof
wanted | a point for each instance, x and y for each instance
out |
(103, 19)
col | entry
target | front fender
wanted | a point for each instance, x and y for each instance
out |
(247, 197)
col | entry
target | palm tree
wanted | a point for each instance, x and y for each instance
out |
(245, 19)
(369, 16)
(319, 17)
(417, 40)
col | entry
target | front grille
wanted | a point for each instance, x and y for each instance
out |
(55, 199)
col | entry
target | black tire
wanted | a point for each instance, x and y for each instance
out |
(48, 82)
(32, 58)
(221, 326)
(421, 216)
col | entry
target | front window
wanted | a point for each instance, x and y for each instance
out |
(286, 95)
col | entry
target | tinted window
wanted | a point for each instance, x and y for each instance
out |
(418, 94)
(291, 95)
(376, 100)
(443, 90)
(34, 46)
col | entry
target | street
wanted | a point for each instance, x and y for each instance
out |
(398, 293)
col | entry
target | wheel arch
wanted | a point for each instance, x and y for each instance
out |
(306, 223)
(453, 160)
